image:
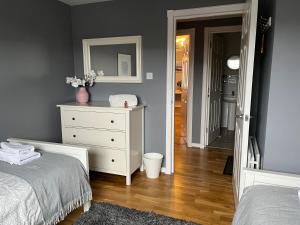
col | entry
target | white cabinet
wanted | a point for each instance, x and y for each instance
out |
(115, 136)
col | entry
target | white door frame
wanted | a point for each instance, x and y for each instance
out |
(208, 32)
(173, 17)
(191, 32)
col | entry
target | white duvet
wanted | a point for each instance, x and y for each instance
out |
(18, 202)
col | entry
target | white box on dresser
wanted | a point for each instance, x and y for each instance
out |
(115, 136)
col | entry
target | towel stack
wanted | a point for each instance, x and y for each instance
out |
(16, 153)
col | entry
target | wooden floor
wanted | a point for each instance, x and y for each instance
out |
(197, 192)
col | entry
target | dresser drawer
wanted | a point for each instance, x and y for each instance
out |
(112, 139)
(107, 160)
(100, 120)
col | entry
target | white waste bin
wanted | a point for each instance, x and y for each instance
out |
(152, 164)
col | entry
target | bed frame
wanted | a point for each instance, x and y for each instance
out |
(264, 177)
(80, 153)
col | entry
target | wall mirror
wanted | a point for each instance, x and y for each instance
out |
(115, 60)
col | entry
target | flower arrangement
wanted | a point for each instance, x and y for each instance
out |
(88, 80)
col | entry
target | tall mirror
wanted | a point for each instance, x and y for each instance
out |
(115, 60)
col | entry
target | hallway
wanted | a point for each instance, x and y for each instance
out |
(224, 141)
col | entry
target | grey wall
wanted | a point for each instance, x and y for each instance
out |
(198, 67)
(281, 149)
(232, 47)
(262, 78)
(35, 57)
(135, 17)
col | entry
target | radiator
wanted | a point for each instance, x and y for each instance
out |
(253, 154)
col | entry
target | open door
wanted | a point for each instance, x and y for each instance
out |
(215, 87)
(184, 94)
(244, 95)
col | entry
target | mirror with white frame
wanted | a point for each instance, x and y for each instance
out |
(114, 60)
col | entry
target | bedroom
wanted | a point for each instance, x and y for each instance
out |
(41, 44)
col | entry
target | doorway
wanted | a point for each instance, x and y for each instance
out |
(217, 44)
(248, 11)
(184, 85)
(220, 86)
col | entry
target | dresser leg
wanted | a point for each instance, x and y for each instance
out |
(128, 180)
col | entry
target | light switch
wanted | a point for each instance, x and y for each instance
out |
(149, 76)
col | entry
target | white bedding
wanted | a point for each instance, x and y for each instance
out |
(268, 205)
(43, 191)
(18, 203)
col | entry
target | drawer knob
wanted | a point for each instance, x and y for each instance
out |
(112, 140)
(73, 118)
(113, 160)
(74, 136)
(112, 121)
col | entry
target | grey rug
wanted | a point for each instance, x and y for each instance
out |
(107, 214)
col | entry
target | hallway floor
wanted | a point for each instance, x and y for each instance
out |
(224, 141)
(198, 191)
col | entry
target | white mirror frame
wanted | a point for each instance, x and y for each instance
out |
(87, 43)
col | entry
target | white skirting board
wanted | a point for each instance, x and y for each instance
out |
(163, 170)
(196, 145)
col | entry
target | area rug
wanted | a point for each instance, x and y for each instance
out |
(229, 166)
(107, 214)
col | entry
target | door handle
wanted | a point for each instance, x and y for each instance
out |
(239, 116)
(242, 116)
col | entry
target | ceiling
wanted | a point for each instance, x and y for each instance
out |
(81, 2)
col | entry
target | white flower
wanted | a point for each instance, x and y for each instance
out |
(92, 74)
(75, 85)
(69, 80)
(100, 73)
(89, 79)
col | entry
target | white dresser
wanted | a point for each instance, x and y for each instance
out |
(115, 135)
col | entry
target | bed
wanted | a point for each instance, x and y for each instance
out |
(45, 190)
(269, 198)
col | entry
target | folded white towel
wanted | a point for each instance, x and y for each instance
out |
(19, 156)
(119, 100)
(18, 159)
(16, 147)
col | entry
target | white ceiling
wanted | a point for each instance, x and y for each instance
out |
(81, 2)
